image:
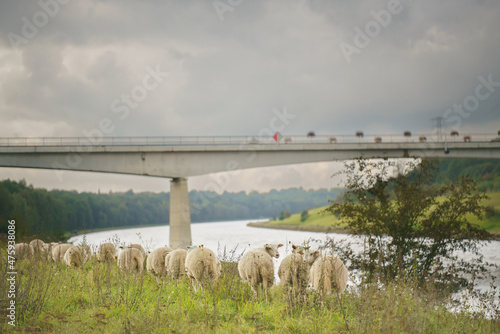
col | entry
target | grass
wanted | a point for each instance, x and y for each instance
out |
(53, 298)
(319, 221)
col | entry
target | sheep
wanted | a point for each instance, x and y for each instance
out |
(73, 257)
(59, 251)
(24, 251)
(47, 250)
(106, 252)
(155, 263)
(86, 252)
(328, 273)
(202, 265)
(38, 247)
(257, 267)
(294, 269)
(139, 247)
(175, 263)
(130, 260)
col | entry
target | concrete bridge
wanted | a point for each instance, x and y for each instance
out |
(181, 157)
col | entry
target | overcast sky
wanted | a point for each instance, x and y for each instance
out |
(176, 68)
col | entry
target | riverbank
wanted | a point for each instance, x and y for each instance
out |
(320, 228)
(305, 228)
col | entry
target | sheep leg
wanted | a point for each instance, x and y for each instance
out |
(255, 290)
(265, 287)
(193, 283)
(295, 284)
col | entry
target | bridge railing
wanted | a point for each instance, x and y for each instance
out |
(238, 140)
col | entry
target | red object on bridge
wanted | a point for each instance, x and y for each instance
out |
(277, 136)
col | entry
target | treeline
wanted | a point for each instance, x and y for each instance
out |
(485, 172)
(52, 213)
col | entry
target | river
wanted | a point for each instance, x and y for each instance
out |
(230, 239)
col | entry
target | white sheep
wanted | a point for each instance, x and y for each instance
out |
(257, 267)
(131, 260)
(59, 251)
(175, 263)
(202, 266)
(294, 269)
(106, 252)
(73, 257)
(38, 247)
(155, 263)
(24, 251)
(328, 273)
(48, 248)
(86, 252)
(139, 247)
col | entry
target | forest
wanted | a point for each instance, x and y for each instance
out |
(485, 172)
(52, 213)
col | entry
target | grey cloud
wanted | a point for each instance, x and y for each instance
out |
(225, 77)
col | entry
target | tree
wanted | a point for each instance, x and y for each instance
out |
(303, 216)
(411, 223)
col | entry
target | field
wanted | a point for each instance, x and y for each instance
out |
(321, 221)
(53, 298)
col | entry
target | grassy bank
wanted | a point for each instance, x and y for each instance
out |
(319, 221)
(52, 298)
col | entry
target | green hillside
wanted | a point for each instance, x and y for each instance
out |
(320, 221)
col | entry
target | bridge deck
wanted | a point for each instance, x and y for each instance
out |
(238, 140)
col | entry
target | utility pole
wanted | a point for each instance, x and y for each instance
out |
(439, 128)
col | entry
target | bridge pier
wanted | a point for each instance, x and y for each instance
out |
(180, 216)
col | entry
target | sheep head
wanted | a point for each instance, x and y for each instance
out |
(309, 257)
(272, 249)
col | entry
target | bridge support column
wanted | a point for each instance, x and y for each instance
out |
(180, 216)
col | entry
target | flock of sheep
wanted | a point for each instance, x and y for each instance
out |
(325, 273)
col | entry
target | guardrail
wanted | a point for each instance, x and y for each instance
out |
(238, 140)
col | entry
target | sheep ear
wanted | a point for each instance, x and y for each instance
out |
(293, 246)
(280, 245)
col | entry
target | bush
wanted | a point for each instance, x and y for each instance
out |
(411, 224)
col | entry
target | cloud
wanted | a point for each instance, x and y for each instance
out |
(226, 77)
